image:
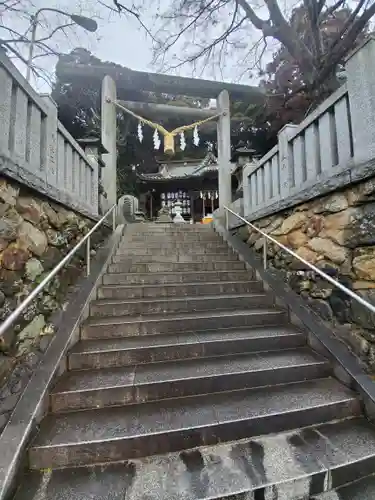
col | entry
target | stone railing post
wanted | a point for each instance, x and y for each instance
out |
(49, 142)
(223, 150)
(361, 91)
(93, 149)
(286, 162)
(109, 132)
(247, 196)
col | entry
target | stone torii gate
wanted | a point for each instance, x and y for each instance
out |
(126, 79)
(109, 111)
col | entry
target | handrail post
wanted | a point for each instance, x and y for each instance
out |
(114, 219)
(88, 256)
(226, 219)
(264, 253)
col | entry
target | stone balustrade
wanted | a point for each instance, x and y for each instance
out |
(35, 148)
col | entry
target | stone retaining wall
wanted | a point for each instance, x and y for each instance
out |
(337, 234)
(35, 234)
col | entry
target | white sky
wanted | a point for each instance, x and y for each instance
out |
(119, 39)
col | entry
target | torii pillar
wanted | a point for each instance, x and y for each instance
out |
(109, 133)
(223, 150)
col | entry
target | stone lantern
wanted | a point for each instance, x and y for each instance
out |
(178, 210)
(242, 156)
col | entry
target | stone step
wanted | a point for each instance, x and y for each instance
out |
(174, 258)
(119, 307)
(177, 246)
(133, 431)
(294, 465)
(110, 353)
(95, 328)
(188, 252)
(179, 290)
(170, 278)
(362, 489)
(145, 238)
(177, 267)
(90, 389)
(169, 228)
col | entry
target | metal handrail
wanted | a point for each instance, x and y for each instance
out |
(15, 314)
(308, 264)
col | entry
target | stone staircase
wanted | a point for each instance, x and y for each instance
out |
(189, 383)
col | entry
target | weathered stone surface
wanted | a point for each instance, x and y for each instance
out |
(332, 203)
(328, 267)
(32, 238)
(273, 224)
(33, 329)
(283, 239)
(364, 264)
(9, 403)
(322, 308)
(33, 269)
(64, 215)
(31, 310)
(340, 303)
(71, 230)
(243, 232)
(53, 217)
(336, 235)
(48, 304)
(253, 238)
(303, 207)
(368, 187)
(295, 221)
(297, 239)
(4, 207)
(8, 193)
(30, 209)
(313, 225)
(354, 195)
(55, 238)
(10, 281)
(259, 244)
(363, 285)
(51, 257)
(353, 335)
(30, 225)
(361, 230)
(14, 257)
(360, 314)
(6, 364)
(341, 220)
(307, 254)
(267, 221)
(320, 289)
(44, 342)
(8, 228)
(329, 249)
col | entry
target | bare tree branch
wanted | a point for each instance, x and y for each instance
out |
(120, 8)
(349, 22)
(328, 12)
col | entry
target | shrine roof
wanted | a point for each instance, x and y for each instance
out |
(175, 171)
